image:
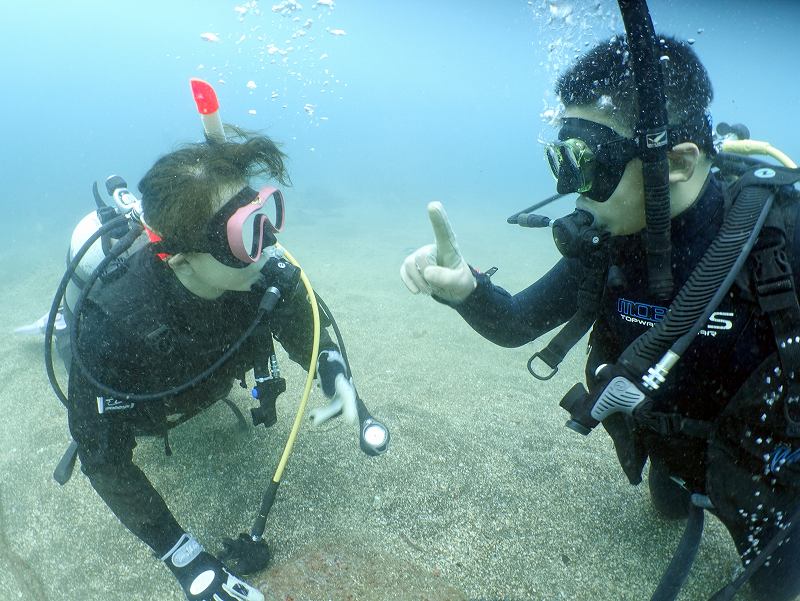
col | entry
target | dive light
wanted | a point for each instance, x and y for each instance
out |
(374, 437)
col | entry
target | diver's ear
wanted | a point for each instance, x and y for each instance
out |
(683, 159)
(181, 265)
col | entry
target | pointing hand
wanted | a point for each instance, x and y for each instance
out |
(439, 269)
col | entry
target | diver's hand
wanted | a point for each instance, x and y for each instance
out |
(203, 577)
(439, 269)
(337, 387)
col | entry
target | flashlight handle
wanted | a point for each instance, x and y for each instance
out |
(363, 412)
(579, 403)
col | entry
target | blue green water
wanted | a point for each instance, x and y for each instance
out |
(417, 100)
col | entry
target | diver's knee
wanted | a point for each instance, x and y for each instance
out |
(669, 499)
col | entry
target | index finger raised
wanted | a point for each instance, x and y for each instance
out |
(446, 247)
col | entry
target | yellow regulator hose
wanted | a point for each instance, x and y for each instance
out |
(298, 418)
(757, 147)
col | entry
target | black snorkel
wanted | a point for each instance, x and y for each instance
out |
(651, 134)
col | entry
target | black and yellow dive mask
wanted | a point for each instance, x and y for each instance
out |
(589, 158)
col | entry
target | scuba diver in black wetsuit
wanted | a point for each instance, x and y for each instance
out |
(714, 438)
(166, 319)
(164, 334)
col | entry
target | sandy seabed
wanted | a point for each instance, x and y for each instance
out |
(484, 493)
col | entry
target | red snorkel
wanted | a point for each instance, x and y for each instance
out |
(208, 106)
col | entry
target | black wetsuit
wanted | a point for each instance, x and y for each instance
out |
(143, 333)
(733, 344)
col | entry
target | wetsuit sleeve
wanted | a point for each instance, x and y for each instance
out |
(293, 326)
(105, 448)
(106, 441)
(514, 320)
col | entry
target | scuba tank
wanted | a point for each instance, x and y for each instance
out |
(124, 204)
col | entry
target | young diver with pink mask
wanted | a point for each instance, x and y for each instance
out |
(168, 331)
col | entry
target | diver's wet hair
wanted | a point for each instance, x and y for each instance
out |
(603, 78)
(182, 190)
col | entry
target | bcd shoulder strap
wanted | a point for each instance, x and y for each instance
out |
(774, 285)
(769, 281)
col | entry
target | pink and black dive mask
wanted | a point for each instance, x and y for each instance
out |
(240, 231)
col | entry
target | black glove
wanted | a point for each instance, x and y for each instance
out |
(203, 577)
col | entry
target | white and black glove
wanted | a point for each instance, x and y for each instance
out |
(203, 577)
(439, 269)
(337, 387)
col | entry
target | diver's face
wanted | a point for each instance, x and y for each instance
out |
(207, 277)
(213, 275)
(623, 212)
